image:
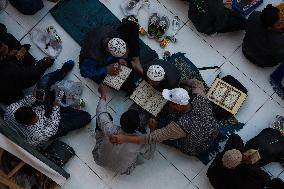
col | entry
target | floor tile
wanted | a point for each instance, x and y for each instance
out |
(91, 101)
(274, 168)
(258, 75)
(248, 132)
(190, 186)
(120, 102)
(83, 142)
(278, 99)
(190, 166)
(266, 114)
(178, 8)
(154, 173)
(12, 26)
(81, 176)
(281, 176)
(197, 50)
(251, 104)
(29, 21)
(202, 181)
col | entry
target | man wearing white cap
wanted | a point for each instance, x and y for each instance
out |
(162, 75)
(104, 51)
(186, 123)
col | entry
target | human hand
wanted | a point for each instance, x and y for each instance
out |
(122, 62)
(118, 138)
(103, 90)
(21, 54)
(227, 4)
(153, 124)
(137, 65)
(113, 69)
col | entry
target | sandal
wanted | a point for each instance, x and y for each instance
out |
(154, 21)
(162, 27)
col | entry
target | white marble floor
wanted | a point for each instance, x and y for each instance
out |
(169, 168)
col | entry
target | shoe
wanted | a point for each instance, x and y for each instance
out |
(68, 66)
(162, 27)
(154, 21)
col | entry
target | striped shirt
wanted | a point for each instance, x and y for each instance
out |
(39, 132)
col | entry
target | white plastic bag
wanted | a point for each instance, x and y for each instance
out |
(46, 42)
(72, 93)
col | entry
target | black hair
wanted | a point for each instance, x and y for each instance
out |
(269, 16)
(130, 121)
(25, 115)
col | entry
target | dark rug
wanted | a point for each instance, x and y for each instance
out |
(79, 17)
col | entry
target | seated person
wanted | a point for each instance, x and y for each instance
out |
(263, 44)
(102, 51)
(184, 123)
(211, 16)
(124, 158)
(230, 170)
(15, 77)
(16, 51)
(29, 118)
(162, 75)
(270, 145)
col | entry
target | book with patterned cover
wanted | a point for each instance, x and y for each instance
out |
(148, 98)
(117, 81)
(226, 96)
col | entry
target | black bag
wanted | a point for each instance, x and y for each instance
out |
(220, 113)
(27, 7)
(59, 152)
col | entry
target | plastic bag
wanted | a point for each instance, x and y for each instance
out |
(72, 93)
(48, 41)
(278, 123)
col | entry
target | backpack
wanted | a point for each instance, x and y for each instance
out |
(220, 113)
(27, 7)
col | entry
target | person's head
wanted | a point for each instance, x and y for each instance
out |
(26, 116)
(232, 158)
(272, 18)
(130, 121)
(155, 75)
(178, 99)
(4, 49)
(115, 46)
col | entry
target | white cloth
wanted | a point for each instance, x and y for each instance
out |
(134, 11)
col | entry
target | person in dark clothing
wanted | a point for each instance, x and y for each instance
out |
(229, 170)
(263, 44)
(270, 145)
(16, 51)
(276, 183)
(14, 78)
(103, 52)
(162, 75)
(211, 16)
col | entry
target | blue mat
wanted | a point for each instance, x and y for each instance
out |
(79, 17)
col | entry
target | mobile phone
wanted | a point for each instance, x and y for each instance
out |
(40, 95)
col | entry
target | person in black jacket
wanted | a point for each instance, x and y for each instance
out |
(263, 44)
(230, 170)
(211, 16)
(14, 78)
(270, 145)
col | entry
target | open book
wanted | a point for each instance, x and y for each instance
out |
(117, 81)
(252, 155)
(226, 96)
(148, 98)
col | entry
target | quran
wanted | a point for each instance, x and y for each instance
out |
(226, 96)
(117, 81)
(148, 98)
